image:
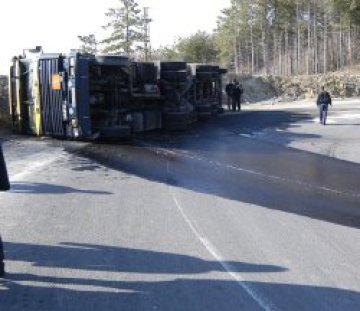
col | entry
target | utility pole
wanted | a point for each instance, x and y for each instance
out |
(147, 46)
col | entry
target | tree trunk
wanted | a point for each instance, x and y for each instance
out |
(340, 47)
(264, 29)
(275, 54)
(286, 51)
(350, 46)
(309, 40)
(252, 40)
(298, 41)
(236, 59)
(127, 35)
(325, 42)
(315, 44)
(263, 45)
(280, 54)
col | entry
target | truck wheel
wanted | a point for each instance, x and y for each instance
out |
(206, 75)
(147, 73)
(172, 66)
(174, 76)
(207, 68)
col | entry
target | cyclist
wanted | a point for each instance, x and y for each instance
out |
(323, 101)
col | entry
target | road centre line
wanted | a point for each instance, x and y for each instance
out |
(261, 301)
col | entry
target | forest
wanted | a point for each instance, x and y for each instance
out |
(278, 37)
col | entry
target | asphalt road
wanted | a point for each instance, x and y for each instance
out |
(249, 211)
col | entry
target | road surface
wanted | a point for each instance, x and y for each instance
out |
(258, 210)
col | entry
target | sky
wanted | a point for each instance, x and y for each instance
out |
(55, 25)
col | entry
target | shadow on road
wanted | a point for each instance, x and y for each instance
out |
(94, 291)
(44, 188)
(118, 259)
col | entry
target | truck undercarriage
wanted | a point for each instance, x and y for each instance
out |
(84, 96)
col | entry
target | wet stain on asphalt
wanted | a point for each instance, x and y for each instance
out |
(213, 159)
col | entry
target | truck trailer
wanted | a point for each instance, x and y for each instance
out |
(85, 96)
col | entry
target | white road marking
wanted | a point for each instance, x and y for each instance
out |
(259, 299)
(30, 170)
(33, 168)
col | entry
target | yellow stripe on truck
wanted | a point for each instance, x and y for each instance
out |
(37, 99)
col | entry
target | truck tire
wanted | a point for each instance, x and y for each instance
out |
(172, 66)
(207, 68)
(112, 60)
(206, 75)
(146, 73)
(174, 76)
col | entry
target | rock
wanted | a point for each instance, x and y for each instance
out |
(293, 88)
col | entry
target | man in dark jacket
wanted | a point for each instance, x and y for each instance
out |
(323, 101)
(229, 93)
(237, 92)
(4, 186)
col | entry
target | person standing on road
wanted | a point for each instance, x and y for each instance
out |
(323, 101)
(229, 88)
(240, 90)
(4, 186)
(237, 92)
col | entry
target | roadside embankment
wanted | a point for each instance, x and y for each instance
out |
(301, 87)
(262, 88)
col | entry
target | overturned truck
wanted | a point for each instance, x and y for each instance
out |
(85, 96)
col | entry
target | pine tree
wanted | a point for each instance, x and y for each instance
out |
(287, 37)
(197, 48)
(89, 44)
(125, 27)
